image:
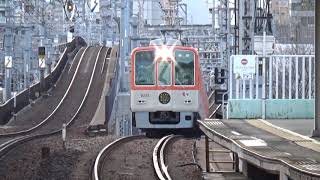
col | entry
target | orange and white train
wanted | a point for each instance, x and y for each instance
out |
(166, 88)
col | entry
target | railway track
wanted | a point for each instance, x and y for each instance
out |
(158, 158)
(173, 158)
(125, 158)
(65, 111)
(44, 108)
(133, 158)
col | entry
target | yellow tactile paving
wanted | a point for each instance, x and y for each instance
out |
(286, 134)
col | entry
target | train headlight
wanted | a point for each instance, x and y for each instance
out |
(164, 98)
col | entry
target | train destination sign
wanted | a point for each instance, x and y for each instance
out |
(244, 66)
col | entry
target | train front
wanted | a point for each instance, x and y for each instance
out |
(165, 87)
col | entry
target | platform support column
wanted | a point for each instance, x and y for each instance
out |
(283, 176)
(207, 154)
(243, 167)
(316, 131)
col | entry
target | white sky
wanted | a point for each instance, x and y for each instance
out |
(198, 12)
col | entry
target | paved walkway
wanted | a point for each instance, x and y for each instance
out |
(300, 126)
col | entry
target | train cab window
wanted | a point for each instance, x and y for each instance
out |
(144, 68)
(164, 73)
(184, 67)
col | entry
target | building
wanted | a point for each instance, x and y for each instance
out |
(148, 11)
(152, 12)
(294, 21)
(302, 21)
(281, 10)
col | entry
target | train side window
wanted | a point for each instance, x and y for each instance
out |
(184, 67)
(164, 73)
(144, 68)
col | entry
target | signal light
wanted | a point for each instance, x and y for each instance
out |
(219, 76)
(71, 29)
(69, 6)
(41, 51)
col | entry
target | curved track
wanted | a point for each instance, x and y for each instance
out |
(138, 157)
(99, 161)
(158, 158)
(173, 159)
(125, 158)
(36, 114)
(71, 103)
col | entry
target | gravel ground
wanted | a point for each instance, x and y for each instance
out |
(179, 152)
(33, 114)
(76, 161)
(59, 165)
(132, 160)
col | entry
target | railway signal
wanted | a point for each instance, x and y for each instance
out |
(219, 76)
(69, 6)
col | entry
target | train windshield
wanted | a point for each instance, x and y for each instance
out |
(184, 67)
(144, 68)
(164, 73)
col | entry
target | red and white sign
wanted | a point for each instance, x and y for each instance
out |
(244, 66)
(244, 61)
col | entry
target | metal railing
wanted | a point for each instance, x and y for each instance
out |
(276, 77)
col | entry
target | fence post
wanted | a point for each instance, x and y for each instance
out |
(316, 131)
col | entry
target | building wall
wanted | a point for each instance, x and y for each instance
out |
(294, 21)
(280, 10)
(152, 12)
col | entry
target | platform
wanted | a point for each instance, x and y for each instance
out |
(300, 126)
(266, 146)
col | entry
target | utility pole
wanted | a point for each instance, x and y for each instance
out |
(126, 13)
(8, 49)
(246, 26)
(42, 67)
(213, 14)
(26, 57)
(316, 131)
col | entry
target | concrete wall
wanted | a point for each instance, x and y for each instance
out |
(271, 108)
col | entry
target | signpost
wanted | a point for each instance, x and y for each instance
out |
(244, 66)
(64, 135)
(8, 62)
(42, 66)
(42, 63)
(8, 66)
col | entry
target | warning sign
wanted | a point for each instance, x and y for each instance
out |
(8, 61)
(42, 63)
(244, 66)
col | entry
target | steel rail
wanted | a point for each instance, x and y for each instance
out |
(54, 111)
(96, 171)
(19, 140)
(158, 158)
